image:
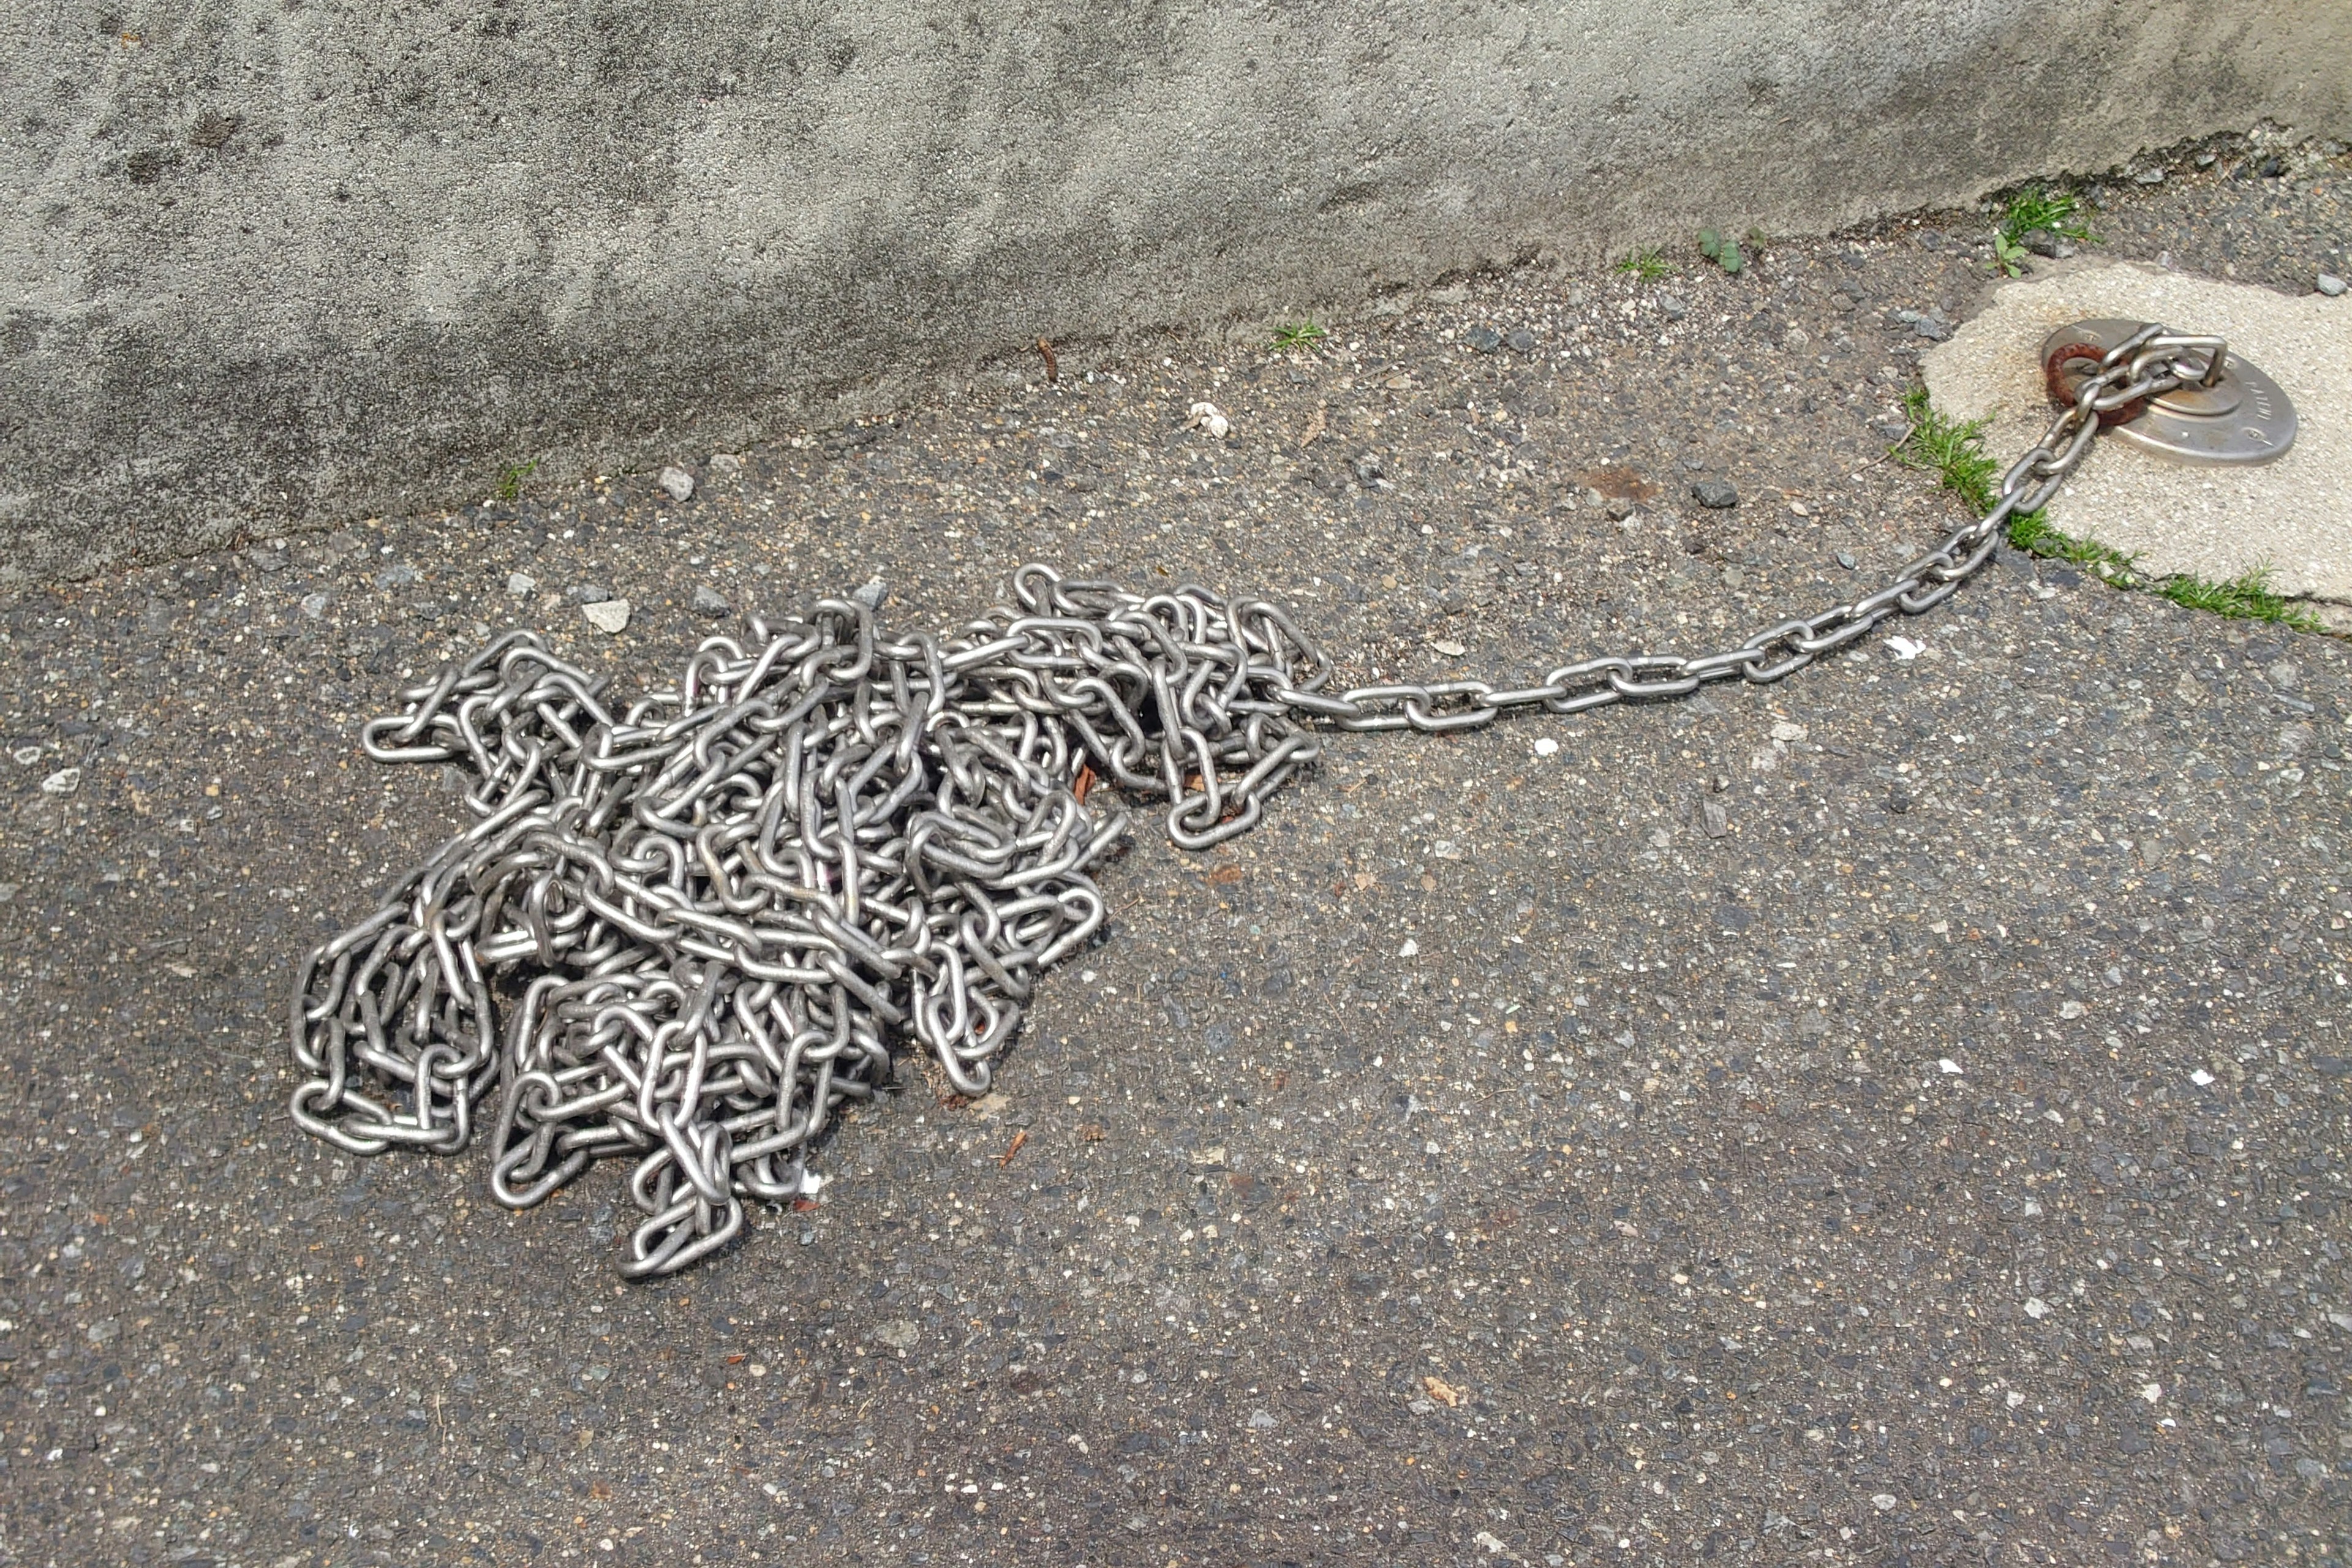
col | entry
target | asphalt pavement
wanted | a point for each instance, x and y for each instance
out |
(1899, 1116)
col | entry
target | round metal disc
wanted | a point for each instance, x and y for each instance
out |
(2243, 417)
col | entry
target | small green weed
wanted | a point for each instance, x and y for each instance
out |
(1955, 454)
(510, 482)
(2008, 255)
(1724, 253)
(2060, 211)
(1648, 265)
(1299, 337)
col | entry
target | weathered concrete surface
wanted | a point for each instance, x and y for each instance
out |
(1897, 1117)
(2293, 517)
(272, 264)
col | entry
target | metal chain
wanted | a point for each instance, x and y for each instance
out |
(686, 932)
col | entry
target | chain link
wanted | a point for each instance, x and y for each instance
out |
(686, 933)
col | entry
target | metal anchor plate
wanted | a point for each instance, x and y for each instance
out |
(2237, 416)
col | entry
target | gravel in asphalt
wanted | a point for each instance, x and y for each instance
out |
(1899, 1116)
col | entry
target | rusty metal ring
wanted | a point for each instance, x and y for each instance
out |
(2065, 389)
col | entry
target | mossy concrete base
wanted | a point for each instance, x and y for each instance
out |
(2293, 517)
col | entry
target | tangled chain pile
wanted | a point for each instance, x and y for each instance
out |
(685, 934)
(718, 908)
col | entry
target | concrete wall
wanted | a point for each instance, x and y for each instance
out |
(272, 262)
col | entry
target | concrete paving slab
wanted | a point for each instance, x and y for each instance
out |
(2293, 517)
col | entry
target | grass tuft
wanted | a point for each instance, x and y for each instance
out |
(2060, 211)
(1648, 265)
(510, 482)
(1299, 337)
(1953, 452)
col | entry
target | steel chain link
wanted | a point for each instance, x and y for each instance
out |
(686, 932)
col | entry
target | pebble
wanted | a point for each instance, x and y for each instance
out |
(395, 576)
(1209, 417)
(710, 600)
(1713, 819)
(1715, 494)
(1521, 340)
(1546, 746)
(582, 593)
(875, 595)
(677, 483)
(1368, 466)
(2039, 241)
(2330, 284)
(1672, 304)
(64, 781)
(522, 584)
(1485, 340)
(725, 465)
(610, 617)
(1934, 331)
(1845, 559)
(314, 604)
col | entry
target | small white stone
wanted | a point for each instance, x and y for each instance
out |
(1449, 648)
(677, 483)
(1785, 731)
(522, 584)
(27, 756)
(1209, 417)
(2152, 1392)
(1884, 1501)
(1410, 949)
(610, 617)
(1947, 1064)
(2200, 1078)
(2330, 284)
(1546, 746)
(64, 781)
(2013, 1399)
(1903, 650)
(314, 605)
(2036, 1308)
